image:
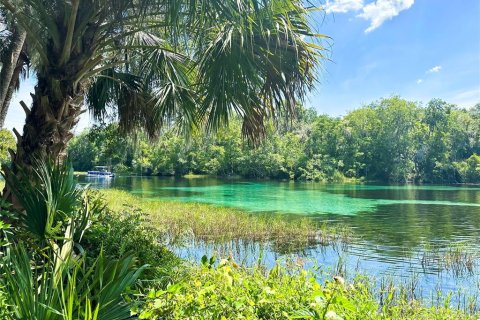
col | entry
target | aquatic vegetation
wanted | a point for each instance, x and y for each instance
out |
(183, 221)
(459, 257)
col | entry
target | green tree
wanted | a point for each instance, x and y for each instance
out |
(469, 169)
(390, 140)
(7, 141)
(155, 62)
(82, 152)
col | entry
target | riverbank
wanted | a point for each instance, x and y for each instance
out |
(215, 286)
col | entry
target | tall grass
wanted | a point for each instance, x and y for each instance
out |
(179, 221)
(461, 258)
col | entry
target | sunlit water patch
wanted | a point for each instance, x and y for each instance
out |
(258, 197)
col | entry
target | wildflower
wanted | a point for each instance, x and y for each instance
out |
(339, 280)
(223, 262)
(331, 315)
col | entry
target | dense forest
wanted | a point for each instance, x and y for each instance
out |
(389, 140)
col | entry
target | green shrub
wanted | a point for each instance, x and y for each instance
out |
(227, 291)
(67, 288)
(128, 231)
(230, 292)
(44, 271)
(121, 168)
(469, 169)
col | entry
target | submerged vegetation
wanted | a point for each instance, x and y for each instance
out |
(178, 222)
(390, 140)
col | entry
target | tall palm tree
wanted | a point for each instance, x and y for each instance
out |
(153, 62)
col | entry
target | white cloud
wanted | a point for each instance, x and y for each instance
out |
(343, 6)
(419, 81)
(382, 10)
(434, 69)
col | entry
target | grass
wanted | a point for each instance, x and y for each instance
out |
(458, 257)
(203, 222)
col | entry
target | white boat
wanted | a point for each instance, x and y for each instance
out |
(101, 172)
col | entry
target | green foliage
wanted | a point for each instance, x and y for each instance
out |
(129, 232)
(101, 145)
(390, 140)
(469, 169)
(7, 141)
(40, 291)
(50, 199)
(56, 278)
(227, 291)
(190, 62)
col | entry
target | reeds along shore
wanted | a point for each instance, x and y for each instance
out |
(215, 224)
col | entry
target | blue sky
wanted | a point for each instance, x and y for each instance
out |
(419, 49)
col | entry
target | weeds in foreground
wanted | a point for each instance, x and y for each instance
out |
(225, 290)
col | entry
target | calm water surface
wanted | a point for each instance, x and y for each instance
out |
(393, 224)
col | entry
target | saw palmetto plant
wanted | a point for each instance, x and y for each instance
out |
(44, 271)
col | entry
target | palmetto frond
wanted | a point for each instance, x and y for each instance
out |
(158, 62)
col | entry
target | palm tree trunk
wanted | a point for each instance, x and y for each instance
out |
(56, 108)
(12, 64)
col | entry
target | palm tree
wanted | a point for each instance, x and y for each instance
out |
(13, 59)
(157, 62)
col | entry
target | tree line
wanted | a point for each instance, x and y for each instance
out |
(389, 140)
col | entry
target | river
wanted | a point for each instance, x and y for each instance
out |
(398, 228)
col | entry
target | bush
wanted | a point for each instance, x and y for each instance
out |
(469, 169)
(126, 232)
(227, 291)
(44, 271)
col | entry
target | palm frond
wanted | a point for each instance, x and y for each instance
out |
(160, 62)
(48, 195)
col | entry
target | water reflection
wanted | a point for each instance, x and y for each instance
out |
(400, 217)
(396, 227)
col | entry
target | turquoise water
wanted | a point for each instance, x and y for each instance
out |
(402, 217)
(393, 224)
(296, 199)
